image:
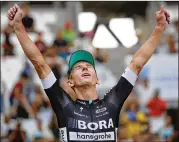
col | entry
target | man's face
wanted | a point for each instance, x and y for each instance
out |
(83, 74)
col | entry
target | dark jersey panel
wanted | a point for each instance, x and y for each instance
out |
(58, 97)
(119, 93)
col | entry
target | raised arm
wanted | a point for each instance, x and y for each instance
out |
(29, 48)
(148, 48)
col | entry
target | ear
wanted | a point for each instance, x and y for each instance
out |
(70, 83)
(98, 81)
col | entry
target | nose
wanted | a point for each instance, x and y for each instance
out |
(85, 68)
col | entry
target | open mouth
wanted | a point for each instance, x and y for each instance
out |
(85, 75)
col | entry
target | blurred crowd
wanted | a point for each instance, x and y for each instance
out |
(145, 117)
(140, 120)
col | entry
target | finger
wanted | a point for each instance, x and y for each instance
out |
(9, 14)
(9, 17)
(162, 9)
(14, 8)
(11, 11)
(167, 13)
(159, 16)
(168, 19)
(17, 7)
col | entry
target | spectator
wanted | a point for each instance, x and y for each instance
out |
(175, 34)
(167, 131)
(18, 100)
(5, 127)
(171, 44)
(123, 134)
(53, 126)
(101, 56)
(176, 23)
(131, 99)
(157, 108)
(8, 46)
(133, 120)
(27, 20)
(144, 93)
(3, 91)
(53, 61)
(61, 45)
(59, 42)
(147, 136)
(163, 47)
(29, 87)
(68, 33)
(17, 135)
(156, 105)
(40, 43)
(39, 100)
(89, 34)
(38, 135)
(18, 88)
(27, 69)
(175, 136)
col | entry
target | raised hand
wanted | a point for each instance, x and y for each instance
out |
(15, 15)
(162, 18)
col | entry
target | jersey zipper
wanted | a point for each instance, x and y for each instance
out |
(91, 106)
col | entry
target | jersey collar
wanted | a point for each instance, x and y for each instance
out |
(87, 102)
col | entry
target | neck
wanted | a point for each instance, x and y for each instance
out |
(86, 92)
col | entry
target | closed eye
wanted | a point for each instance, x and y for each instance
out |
(89, 65)
(78, 67)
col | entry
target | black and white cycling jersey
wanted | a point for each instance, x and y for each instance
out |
(82, 121)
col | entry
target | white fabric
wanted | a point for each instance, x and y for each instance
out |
(130, 76)
(49, 80)
(144, 94)
(156, 123)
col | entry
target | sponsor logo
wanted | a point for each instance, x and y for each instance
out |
(102, 114)
(81, 109)
(101, 110)
(63, 134)
(81, 102)
(105, 136)
(103, 124)
(76, 113)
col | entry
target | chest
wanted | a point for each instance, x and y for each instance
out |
(92, 117)
(90, 123)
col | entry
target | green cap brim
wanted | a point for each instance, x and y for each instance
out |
(78, 56)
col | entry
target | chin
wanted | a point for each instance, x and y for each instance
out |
(86, 82)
